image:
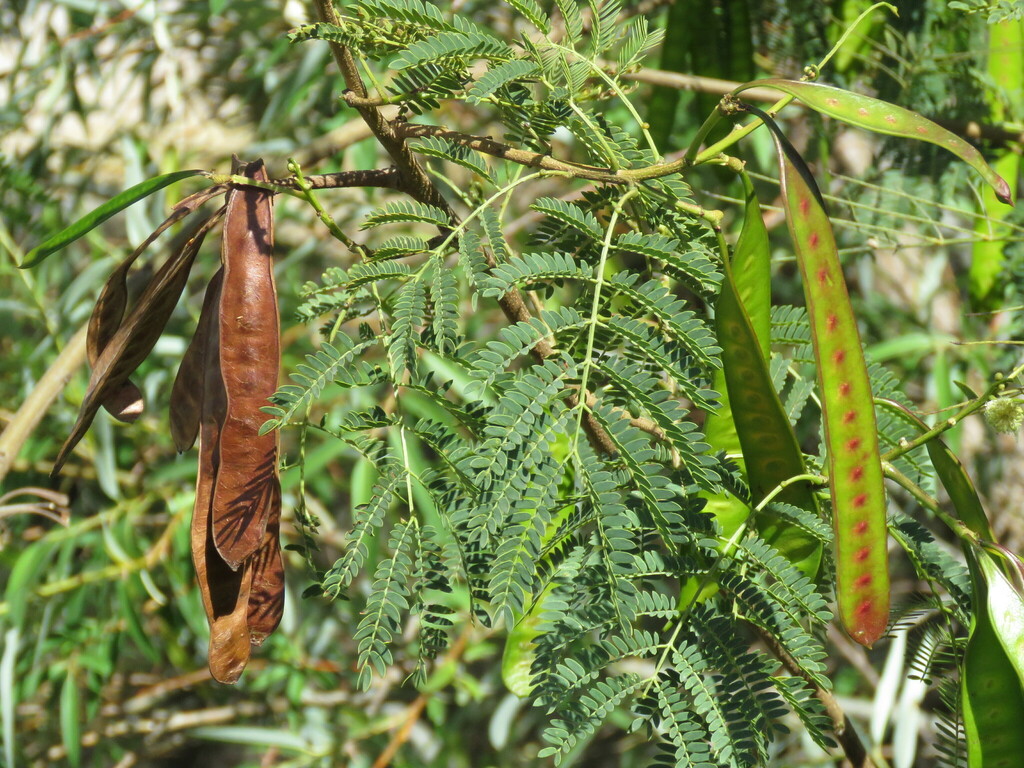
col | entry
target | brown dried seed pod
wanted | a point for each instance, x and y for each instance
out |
(225, 592)
(126, 403)
(186, 393)
(248, 492)
(136, 336)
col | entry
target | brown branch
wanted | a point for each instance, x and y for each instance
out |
(489, 146)
(415, 181)
(386, 178)
(355, 101)
(843, 729)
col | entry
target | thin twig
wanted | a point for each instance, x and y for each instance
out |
(387, 178)
(415, 709)
(43, 394)
(685, 82)
(490, 146)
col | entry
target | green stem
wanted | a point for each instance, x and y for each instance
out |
(739, 133)
(592, 329)
(850, 30)
(928, 502)
(972, 407)
(306, 192)
(702, 133)
(619, 93)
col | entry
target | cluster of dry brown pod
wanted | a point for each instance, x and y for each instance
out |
(227, 374)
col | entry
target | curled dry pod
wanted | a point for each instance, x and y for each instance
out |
(248, 491)
(136, 336)
(883, 117)
(187, 391)
(126, 404)
(847, 406)
(225, 591)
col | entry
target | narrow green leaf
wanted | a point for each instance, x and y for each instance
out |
(70, 728)
(883, 117)
(95, 218)
(847, 407)
(21, 583)
(129, 604)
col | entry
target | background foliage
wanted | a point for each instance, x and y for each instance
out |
(103, 633)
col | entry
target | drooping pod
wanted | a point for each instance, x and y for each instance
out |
(882, 117)
(847, 407)
(225, 591)
(185, 408)
(135, 337)
(126, 403)
(762, 430)
(266, 596)
(248, 490)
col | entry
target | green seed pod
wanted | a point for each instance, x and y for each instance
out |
(759, 427)
(847, 408)
(993, 700)
(991, 689)
(1006, 608)
(883, 117)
